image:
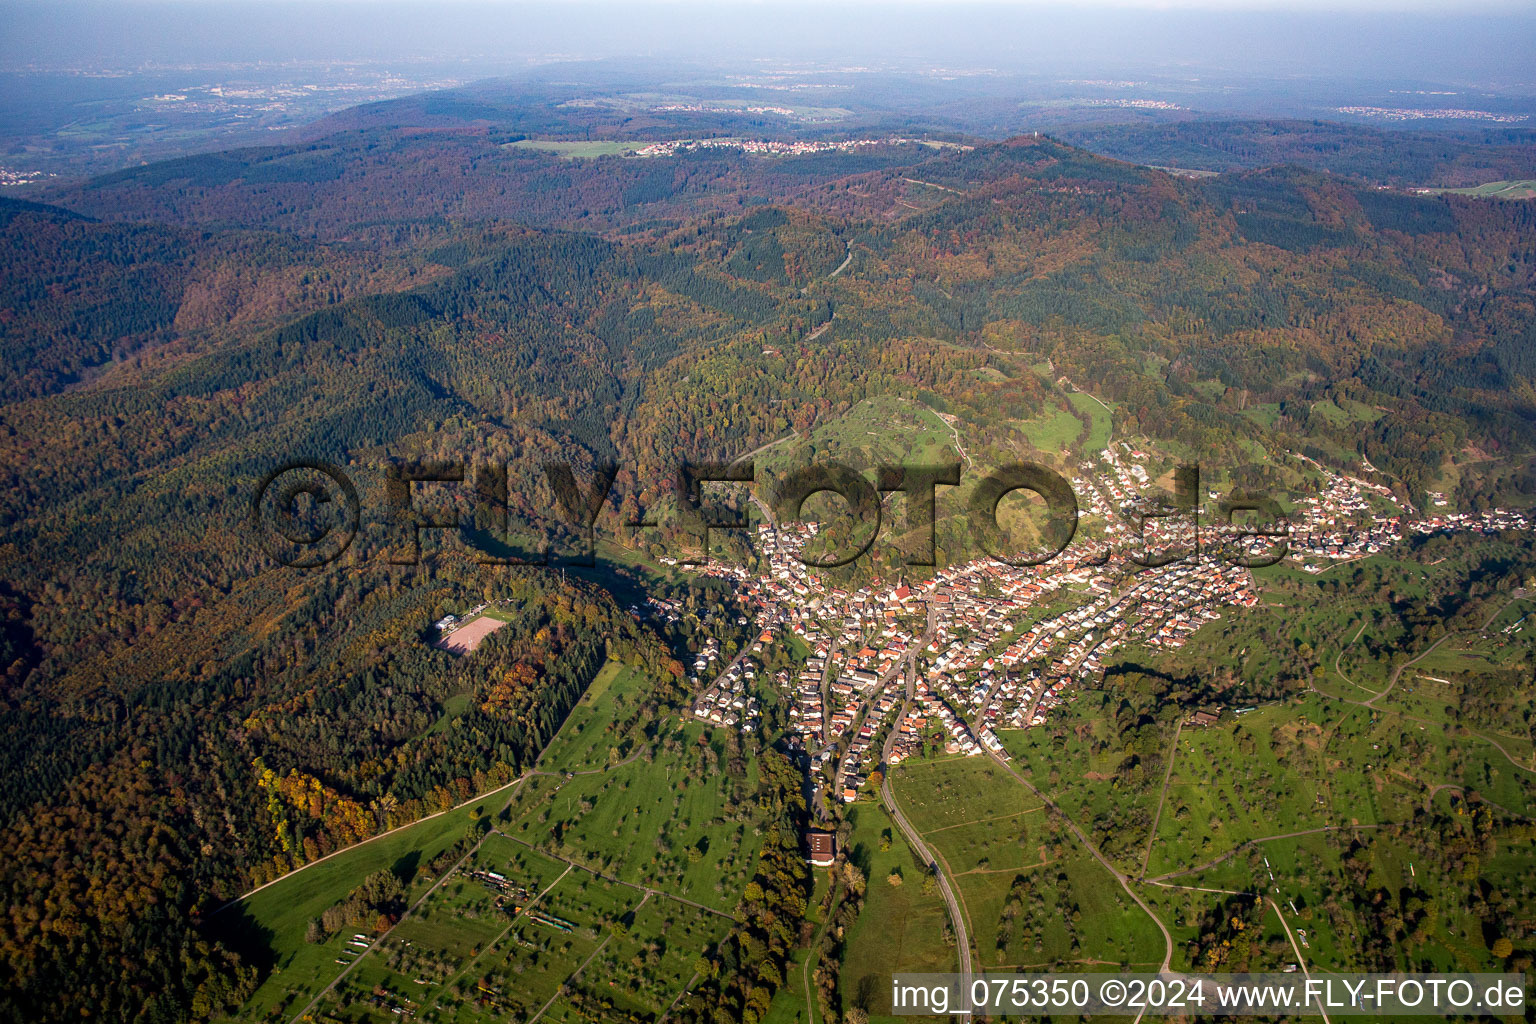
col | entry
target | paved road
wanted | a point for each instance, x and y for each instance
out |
(933, 184)
(1515, 596)
(847, 259)
(843, 265)
(809, 967)
(962, 939)
(1247, 844)
(1300, 960)
(762, 506)
(818, 332)
(826, 699)
(956, 917)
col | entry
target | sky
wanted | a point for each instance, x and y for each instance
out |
(1460, 7)
(1364, 38)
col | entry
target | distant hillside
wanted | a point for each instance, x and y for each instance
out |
(358, 183)
(1447, 158)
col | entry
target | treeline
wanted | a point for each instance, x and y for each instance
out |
(1229, 937)
(1035, 905)
(218, 760)
(181, 719)
(839, 910)
(78, 295)
(750, 964)
(375, 905)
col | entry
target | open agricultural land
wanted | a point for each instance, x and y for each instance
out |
(1494, 190)
(281, 912)
(502, 904)
(579, 150)
(1291, 757)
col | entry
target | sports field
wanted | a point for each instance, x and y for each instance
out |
(471, 635)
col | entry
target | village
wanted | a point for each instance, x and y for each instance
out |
(1351, 518)
(948, 660)
(896, 668)
(773, 147)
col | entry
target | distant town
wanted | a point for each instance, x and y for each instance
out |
(1438, 114)
(770, 147)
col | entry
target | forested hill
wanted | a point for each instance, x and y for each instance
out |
(173, 332)
(80, 293)
(1220, 314)
(353, 185)
(1400, 157)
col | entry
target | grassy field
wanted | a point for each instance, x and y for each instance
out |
(1075, 916)
(947, 792)
(1053, 430)
(789, 1006)
(1521, 189)
(454, 937)
(590, 943)
(990, 833)
(1347, 411)
(1076, 762)
(1256, 776)
(874, 432)
(654, 957)
(1307, 877)
(900, 927)
(453, 707)
(669, 818)
(579, 149)
(542, 958)
(1418, 756)
(284, 909)
(1265, 414)
(1334, 619)
(1423, 694)
(599, 729)
(1103, 420)
(462, 959)
(281, 912)
(1301, 868)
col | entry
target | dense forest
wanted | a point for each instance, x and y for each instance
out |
(1401, 158)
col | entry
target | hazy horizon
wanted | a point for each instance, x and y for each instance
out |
(1359, 42)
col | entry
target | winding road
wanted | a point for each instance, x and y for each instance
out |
(956, 916)
(957, 919)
